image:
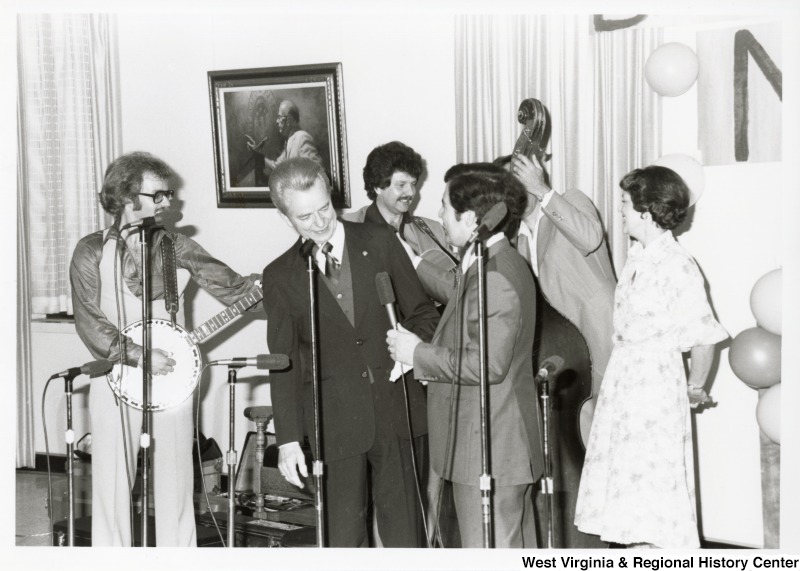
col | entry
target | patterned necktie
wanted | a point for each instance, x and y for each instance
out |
(332, 267)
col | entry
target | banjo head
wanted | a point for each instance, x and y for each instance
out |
(167, 390)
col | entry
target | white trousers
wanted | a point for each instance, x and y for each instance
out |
(171, 462)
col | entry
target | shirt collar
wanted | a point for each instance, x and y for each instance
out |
(469, 255)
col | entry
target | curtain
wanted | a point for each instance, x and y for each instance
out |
(68, 130)
(605, 119)
(25, 453)
(69, 126)
(627, 122)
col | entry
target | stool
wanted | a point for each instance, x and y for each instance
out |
(261, 415)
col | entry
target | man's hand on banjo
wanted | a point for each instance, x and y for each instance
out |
(161, 362)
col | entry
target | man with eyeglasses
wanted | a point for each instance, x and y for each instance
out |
(106, 277)
(297, 143)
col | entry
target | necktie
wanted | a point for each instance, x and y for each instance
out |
(332, 267)
(524, 248)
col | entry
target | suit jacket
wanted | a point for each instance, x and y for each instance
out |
(575, 272)
(415, 237)
(351, 404)
(516, 453)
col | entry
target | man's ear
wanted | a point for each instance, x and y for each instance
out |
(469, 218)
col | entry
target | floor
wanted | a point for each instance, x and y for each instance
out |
(32, 518)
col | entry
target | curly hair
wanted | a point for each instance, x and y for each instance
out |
(298, 173)
(385, 160)
(122, 181)
(480, 189)
(659, 191)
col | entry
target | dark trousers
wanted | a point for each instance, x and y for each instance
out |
(394, 494)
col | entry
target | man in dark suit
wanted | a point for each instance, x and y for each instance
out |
(516, 457)
(363, 413)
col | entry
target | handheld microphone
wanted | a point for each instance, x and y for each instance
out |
(269, 362)
(93, 369)
(386, 295)
(159, 219)
(491, 220)
(549, 367)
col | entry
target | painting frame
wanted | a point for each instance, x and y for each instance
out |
(248, 139)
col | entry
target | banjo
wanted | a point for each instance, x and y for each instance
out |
(173, 388)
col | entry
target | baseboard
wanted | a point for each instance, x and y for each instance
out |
(58, 464)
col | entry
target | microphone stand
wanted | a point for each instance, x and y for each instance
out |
(547, 477)
(69, 438)
(144, 439)
(485, 478)
(318, 468)
(232, 455)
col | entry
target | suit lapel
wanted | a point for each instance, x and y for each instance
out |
(360, 255)
(471, 275)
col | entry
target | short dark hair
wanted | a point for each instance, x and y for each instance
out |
(385, 160)
(299, 173)
(122, 181)
(479, 191)
(659, 191)
(466, 168)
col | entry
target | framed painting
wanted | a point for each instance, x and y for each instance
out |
(261, 117)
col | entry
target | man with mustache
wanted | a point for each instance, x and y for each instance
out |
(390, 179)
(363, 413)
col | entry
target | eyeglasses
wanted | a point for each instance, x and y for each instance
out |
(159, 195)
(282, 118)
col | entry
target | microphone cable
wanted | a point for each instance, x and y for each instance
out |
(122, 350)
(47, 457)
(413, 447)
(196, 396)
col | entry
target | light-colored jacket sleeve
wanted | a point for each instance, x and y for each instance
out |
(574, 215)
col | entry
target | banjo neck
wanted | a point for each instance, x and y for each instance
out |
(220, 320)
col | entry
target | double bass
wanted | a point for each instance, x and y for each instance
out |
(555, 335)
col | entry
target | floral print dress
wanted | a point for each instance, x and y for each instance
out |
(637, 484)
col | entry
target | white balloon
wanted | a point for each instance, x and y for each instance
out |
(768, 413)
(766, 301)
(671, 69)
(690, 170)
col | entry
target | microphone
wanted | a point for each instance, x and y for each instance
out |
(386, 295)
(93, 369)
(160, 218)
(307, 249)
(491, 220)
(549, 367)
(269, 362)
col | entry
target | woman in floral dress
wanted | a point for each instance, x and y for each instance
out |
(637, 486)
